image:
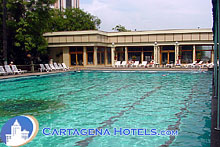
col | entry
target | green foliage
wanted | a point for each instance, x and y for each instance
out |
(134, 57)
(199, 55)
(27, 21)
(120, 28)
(73, 20)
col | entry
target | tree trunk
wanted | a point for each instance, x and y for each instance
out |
(5, 43)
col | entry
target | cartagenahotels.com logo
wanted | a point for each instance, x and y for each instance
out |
(19, 130)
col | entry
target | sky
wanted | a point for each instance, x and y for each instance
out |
(151, 14)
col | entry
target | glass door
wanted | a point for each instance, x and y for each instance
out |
(120, 56)
(164, 58)
(167, 57)
(101, 57)
(73, 59)
(77, 59)
(171, 58)
(80, 59)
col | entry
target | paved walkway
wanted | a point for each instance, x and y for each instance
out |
(29, 74)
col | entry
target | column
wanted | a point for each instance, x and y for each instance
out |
(212, 60)
(213, 55)
(66, 56)
(113, 56)
(142, 56)
(106, 57)
(158, 54)
(176, 53)
(95, 55)
(155, 53)
(194, 53)
(84, 56)
(126, 54)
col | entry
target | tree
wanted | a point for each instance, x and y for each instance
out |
(120, 28)
(31, 27)
(5, 54)
(27, 21)
(73, 20)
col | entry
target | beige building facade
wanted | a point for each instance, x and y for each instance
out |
(98, 48)
(66, 4)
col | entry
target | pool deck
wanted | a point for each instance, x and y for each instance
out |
(30, 74)
(102, 69)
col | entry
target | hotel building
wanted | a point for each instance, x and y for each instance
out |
(66, 4)
(98, 48)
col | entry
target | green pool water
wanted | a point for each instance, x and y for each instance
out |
(151, 100)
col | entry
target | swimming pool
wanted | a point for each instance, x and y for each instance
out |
(159, 100)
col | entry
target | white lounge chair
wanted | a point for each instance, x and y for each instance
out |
(52, 67)
(42, 68)
(191, 64)
(199, 64)
(136, 64)
(124, 64)
(8, 70)
(169, 65)
(60, 66)
(65, 67)
(118, 64)
(210, 65)
(2, 71)
(48, 67)
(56, 66)
(16, 70)
(156, 64)
(143, 64)
(153, 64)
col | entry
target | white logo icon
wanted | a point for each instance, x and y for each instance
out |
(17, 136)
(19, 130)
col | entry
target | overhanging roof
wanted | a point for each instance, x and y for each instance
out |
(95, 32)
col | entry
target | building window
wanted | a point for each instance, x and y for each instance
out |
(120, 53)
(90, 55)
(167, 55)
(109, 55)
(164, 48)
(204, 53)
(186, 54)
(101, 55)
(134, 56)
(148, 53)
(134, 53)
(76, 54)
(68, 4)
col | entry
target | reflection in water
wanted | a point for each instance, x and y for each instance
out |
(205, 137)
(22, 107)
